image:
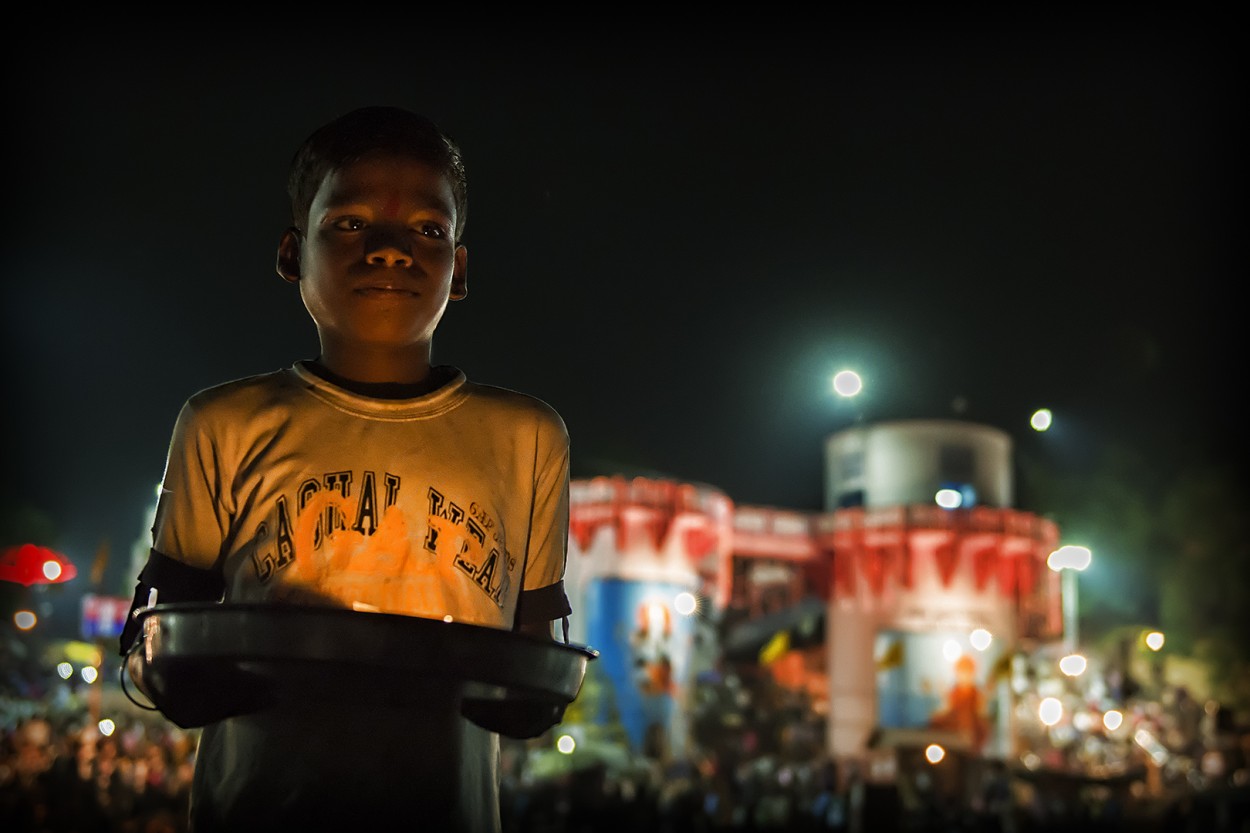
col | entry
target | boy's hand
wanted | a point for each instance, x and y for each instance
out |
(134, 670)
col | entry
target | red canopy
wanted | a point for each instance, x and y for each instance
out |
(29, 564)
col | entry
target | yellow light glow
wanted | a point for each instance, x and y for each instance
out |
(685, 603)
(1041, 419)
(89, 674)
(64, 670)
(980, 639)
(934, 753)
(107, 727)
(1154, 640)
(1112, 720)
(1050, 711)
(51, 570)
(25, 619)
(1073, 665)
(566, 744)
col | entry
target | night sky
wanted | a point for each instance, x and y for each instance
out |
(673, 239)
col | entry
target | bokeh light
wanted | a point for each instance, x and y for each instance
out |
(1050, 711)
(1073, 665)
(1069, 557)
(847, 383)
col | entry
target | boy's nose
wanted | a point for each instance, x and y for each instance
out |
(388, 255)
(386, 249)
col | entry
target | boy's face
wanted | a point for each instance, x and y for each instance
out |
(378, 262)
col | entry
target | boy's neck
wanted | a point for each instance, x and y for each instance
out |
(393, 388)
(409, 366)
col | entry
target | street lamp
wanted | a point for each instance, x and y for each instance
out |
(1068, 561)
(847, 383)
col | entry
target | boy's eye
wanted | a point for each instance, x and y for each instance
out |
(432, 230)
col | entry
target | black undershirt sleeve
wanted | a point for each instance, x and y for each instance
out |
(173, 582)
(545, 604)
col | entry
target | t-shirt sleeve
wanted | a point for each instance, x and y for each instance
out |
(542, 591)
(193, 509)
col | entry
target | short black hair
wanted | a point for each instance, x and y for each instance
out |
(366, 130)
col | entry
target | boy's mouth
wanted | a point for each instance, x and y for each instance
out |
(385, 290)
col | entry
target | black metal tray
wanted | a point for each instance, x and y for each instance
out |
(202, 662)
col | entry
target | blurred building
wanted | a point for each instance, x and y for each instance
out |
(898, 608)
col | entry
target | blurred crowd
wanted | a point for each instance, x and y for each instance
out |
(68, 776)
(758, 765)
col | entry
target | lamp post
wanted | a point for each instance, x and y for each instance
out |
(1068, 561)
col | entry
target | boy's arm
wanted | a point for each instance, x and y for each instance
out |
(172, 581)
(538, 606)
(536, 611)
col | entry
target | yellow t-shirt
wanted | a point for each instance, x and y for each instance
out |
(449, 504)
(446, 505)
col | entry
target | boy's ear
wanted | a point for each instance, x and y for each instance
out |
(460, 275)
(288, 255)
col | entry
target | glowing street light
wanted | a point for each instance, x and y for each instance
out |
(847, 383)
(1069, 557)
(1068, 561)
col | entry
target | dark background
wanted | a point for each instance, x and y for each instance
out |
(677, 232)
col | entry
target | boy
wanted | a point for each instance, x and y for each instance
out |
(367, 478)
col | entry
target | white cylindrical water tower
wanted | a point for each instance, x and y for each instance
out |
(906, 462)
